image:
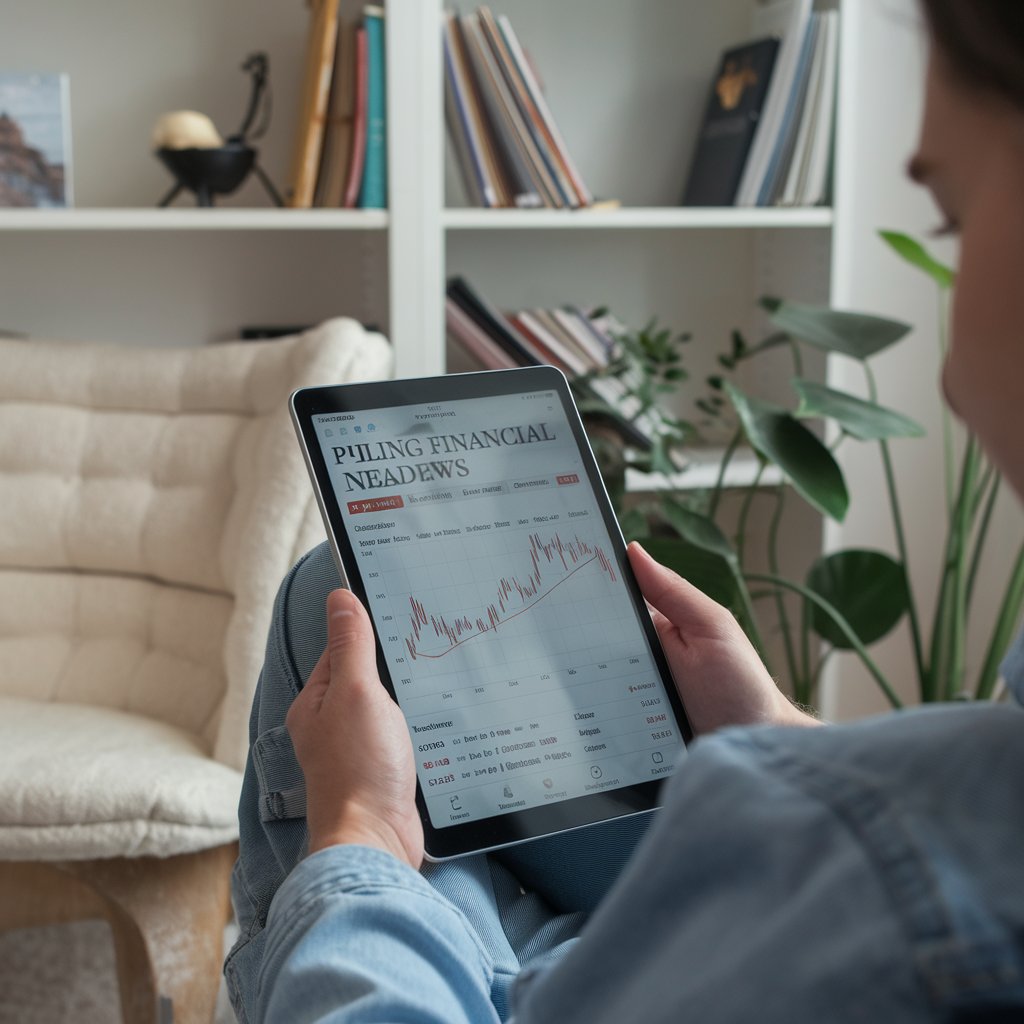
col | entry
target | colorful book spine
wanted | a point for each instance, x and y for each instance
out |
(527, 121)
(785, 141)
(526, 189)
(357, 153)
(316, 88)
(793, 16)
(373, 190)
(462, 125)
(474, 340)
(532, 86)
(330, 183)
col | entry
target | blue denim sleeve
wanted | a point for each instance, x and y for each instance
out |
(355, 935)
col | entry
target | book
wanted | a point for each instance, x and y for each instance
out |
(316, 85)
(463, 126)
(793, 17)
(490, 320)
(536, 337)
(535, 139)
(357, 151)
(467, 334)
(497, 173)
(507, 147)
(35, 139)
(337, 145)
(526, 189)
(565, 358)
(730, 121)
(572, 323)
(789, 126)
(815, 186)
(373, 189)
(796, 173)
(540, 104)
(551, 323)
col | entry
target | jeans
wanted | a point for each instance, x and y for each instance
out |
(526, 903)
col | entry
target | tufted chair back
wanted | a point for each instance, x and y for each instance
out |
(151, 500)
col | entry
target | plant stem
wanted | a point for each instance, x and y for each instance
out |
(716, 492)
(803, 687)
(798, 359)
(840, 622)
(1013, 600)
(748, 500)
(948, 628)
(992, 482)
(749, 622)
(923, 681)
(773, 565)
(947, 419)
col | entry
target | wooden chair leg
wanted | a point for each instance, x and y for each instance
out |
(40, 894)
(180, 905)
(167, 917)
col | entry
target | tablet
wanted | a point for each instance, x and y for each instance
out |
(468, 514)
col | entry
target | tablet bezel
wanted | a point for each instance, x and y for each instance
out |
(528, 823)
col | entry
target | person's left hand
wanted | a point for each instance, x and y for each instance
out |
(353, 745)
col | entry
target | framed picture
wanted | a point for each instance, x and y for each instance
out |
(35, 140)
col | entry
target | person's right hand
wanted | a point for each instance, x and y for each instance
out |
(720, 677)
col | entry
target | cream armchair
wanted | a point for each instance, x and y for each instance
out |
(151, 500)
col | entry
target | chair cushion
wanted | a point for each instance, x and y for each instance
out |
(82, 782)
(175, 473)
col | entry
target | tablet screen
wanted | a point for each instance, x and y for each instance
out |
(514, 647)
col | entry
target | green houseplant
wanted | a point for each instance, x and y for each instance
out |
(850, 598)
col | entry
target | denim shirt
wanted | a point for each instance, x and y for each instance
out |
(866, 872)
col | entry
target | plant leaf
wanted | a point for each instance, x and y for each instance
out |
(916, 255)
(868, 588)
(858, 335)
(864, 420)
(698, 530)
(779, 437)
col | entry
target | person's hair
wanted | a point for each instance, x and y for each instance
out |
(983, 40)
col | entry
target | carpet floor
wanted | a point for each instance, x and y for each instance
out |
(65, 973)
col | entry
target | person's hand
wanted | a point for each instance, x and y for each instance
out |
(353, 745)
(720, 677)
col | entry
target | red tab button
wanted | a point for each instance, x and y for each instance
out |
(375, 504)
(567, 478)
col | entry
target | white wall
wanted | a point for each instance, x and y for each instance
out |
(880, 126)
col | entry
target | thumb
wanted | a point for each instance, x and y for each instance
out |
(686, 607)
(350, 643)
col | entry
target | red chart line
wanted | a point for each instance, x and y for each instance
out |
(514, 615)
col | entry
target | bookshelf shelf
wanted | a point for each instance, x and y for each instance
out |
(101, 219)
(636, 218)
(702, 474)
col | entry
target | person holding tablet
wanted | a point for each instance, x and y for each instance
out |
(843, 873)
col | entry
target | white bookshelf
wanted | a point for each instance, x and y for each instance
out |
(100, 219)
(653, 218)
(627, 84)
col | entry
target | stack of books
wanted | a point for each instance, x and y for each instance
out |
(577, 343)
(339, 158)
(509, 149)
(767, 136)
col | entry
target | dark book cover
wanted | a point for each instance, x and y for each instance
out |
(490, 320)
(730, 121)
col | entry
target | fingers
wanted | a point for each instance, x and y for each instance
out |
(680, 602)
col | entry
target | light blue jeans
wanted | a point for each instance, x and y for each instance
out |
(526, 903)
